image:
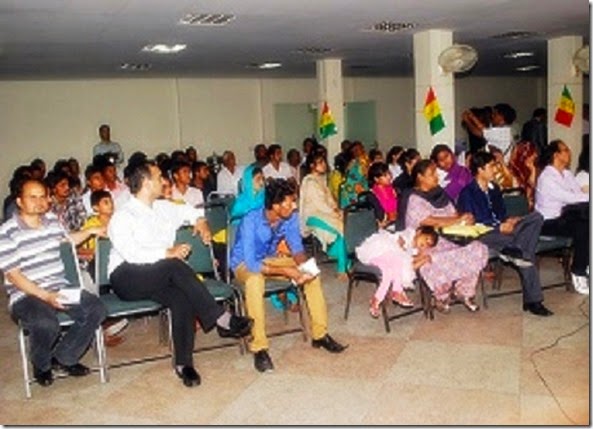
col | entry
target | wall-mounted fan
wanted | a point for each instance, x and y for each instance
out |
(581, 59)
(457, 58)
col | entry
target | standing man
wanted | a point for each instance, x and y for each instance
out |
(514, 237)
(30, 259)
(252, 260)
(565, 208)
(106, 146)
(146, 264)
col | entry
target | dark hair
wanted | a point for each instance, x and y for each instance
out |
(374, 152)
(376, 170)
(198, 165)
(291, 152)
(137, 156)
(310, 140)
(436, 151)
(407, 156)
(272, 149)
(395, 150)
(38, 163)
(62, 165)
(178, 155)
(420, 168)
(552, 148)
(178, 165)
(104, 126)
(90, 170)
(137, 174)
(540, 111)
(103, 161)
(19, 175)
(429, 230)
(97, 196)
(55, 177)
(312, 158)
(479, 160)
(22, 183)
(508, 113)
(277, 191)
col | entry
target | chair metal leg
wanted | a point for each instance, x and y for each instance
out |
(101, 355)
(348, 298)
(385, 317)
(482, 282)
(302, 301)
(25, 362)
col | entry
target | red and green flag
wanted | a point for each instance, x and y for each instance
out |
(565, 111)
(327, 125)
(432, 113)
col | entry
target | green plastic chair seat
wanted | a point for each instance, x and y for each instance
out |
(117, 307)
(550, 243)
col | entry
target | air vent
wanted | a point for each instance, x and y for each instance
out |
(390, 27)
(514, 35)
(135, 67)
(527, 68)
(206, 19)
(520, 54)
(313, 50)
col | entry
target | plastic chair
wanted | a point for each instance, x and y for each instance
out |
(73, 276)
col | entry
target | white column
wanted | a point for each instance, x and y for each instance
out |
(562, 72)
(331, 89)
(427, 47)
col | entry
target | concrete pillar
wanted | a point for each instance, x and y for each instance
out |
(427, 47)
(562, 72)
(331, 89)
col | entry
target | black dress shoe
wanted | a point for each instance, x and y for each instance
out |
(189, 376)
(537, 308)
(239, 326)
(44, 378)
(329, 344)
(76, 370)
(262, 361)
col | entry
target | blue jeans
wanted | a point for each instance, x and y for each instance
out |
(41, 321)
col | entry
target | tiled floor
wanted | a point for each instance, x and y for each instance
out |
(461, 368)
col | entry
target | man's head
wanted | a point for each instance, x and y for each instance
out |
(260, 153)
(293, 157)
(39, 165)
(275, 153)
(192, 154)
(32, 198)
(308, 144)
(105, 133)
(181, 173)
(280, 198)
(146, 179)
(557, 153)
(228, 160)
(482, 166)
(58, 183)
(442, 156)
(540, 114)
(102, 203)
(201, 171)
(94, 178)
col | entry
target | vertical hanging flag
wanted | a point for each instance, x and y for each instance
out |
(565, 111)
(432, 113)
(327, 125)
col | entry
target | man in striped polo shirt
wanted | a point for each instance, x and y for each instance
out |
(34, 272)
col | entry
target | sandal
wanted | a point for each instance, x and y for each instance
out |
(401, 299)
(471, 305)
(374, 309)
(442, 306)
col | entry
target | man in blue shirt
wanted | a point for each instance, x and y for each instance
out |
(253, 259)
(513, 236)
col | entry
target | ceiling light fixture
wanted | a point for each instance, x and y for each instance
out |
(527, 68)
(267, 66)
(520, 54)
(135, 67)
(389, 27)
(161, 48)
(313, 50)
(514, 35)
(206, 19)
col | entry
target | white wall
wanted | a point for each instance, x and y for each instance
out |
(54, 119)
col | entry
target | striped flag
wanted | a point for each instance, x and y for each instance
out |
(565, 111)
(327, 125)
(432, 113)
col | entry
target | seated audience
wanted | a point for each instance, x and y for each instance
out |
(182, 191)
(523, 166)
(565, 208)
(452, 268)
(355, 178)
(30, 259)
(260, 154)
(252, 259)
(502, 175)
(229, 176)
(514, 237)
(294, 161)
(382, 195)
(146, 264)
(276, 168)
(66, 205)
(202, 179)
(19, 175)
(392, 157)
(582, 176)
(456, 176)
(251, 195)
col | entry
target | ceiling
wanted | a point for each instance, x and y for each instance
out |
(42, 39)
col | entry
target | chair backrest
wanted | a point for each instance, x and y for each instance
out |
(516, 203)
(71, 267)
(217, 215)
(102, 250)
(201, 258)
(359, 223)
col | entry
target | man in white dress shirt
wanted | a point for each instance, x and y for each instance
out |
(146, 264)
(227, 180)
(181, 175)
(565, 208)
(276, 168)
